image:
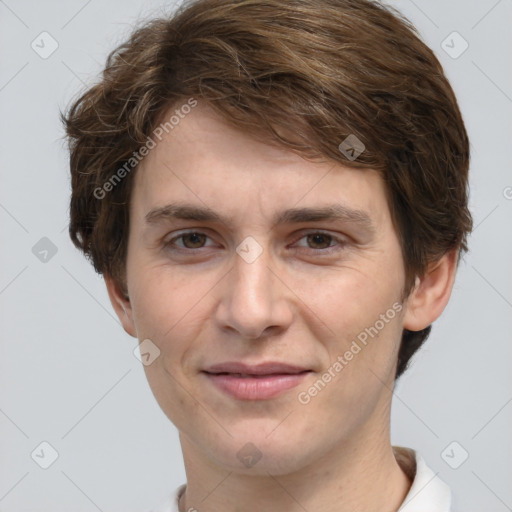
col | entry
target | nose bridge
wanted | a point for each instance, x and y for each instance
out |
(251, 277)
(251, 300)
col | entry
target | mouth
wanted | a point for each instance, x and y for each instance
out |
(256, 382)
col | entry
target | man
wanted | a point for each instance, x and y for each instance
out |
(276, 195)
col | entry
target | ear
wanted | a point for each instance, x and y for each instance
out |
(121, 305)
(431, 293)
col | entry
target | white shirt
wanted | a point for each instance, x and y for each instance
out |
(428, 493)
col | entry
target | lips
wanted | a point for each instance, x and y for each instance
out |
(255, 382)
(246, 370)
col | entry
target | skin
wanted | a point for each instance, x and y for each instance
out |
(201, 303)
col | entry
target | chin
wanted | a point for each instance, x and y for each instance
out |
(257, 453)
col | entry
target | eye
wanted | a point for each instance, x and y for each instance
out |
(319, 241)
(316, 241)
(190, 240)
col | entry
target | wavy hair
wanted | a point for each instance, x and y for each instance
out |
(327, 68)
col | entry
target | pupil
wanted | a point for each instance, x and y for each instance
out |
(320, 237)
(196, 238)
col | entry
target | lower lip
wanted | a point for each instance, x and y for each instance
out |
(256, 388)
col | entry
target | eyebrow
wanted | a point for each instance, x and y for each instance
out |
(330, 212)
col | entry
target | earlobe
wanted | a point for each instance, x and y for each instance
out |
(431, 293)
(121, 304)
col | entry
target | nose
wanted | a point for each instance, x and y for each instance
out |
(254, 301)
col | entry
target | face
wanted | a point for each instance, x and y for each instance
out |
(240, 252)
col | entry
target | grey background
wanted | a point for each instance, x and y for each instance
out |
(68, 375)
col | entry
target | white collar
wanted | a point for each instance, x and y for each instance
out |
(428, 493)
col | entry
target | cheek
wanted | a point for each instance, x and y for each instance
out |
(165, 299)
(169, 311)
(351, 298)
(364, 325)
(170, 393)
(171, 308)
(361, 370)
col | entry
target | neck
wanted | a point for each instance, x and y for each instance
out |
(352, 476)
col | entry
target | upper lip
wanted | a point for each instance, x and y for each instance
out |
(268, 368)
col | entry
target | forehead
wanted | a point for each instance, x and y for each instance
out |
(202, 160)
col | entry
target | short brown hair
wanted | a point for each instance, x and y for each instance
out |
(327, 68)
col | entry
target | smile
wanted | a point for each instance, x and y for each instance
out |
(255, 387)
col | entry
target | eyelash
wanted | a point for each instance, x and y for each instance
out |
(328, 250)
